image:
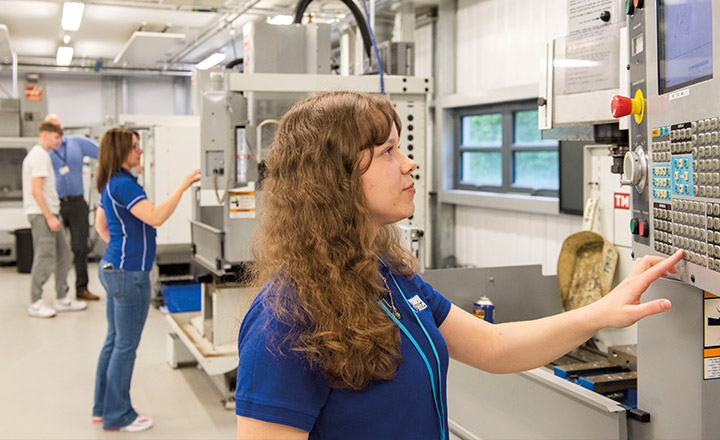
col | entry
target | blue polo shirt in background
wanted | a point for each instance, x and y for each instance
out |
(71, 152)
(132, 242)
(281, 389)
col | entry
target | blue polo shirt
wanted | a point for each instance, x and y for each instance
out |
(281, 389)
(73, 149)
(132, 242)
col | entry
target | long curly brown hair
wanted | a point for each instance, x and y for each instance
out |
(317, 246)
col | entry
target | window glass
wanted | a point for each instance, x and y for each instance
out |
(536, 169)
(526, 130)
(482, 130)
(481, 168)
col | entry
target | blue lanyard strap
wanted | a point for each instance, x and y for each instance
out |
(432, 345)
(439, 408)
(441, 419)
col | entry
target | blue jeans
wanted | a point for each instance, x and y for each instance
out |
(128, 301)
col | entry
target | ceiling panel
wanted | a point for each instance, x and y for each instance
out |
(145, 48)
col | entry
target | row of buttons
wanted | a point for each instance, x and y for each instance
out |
(661, 170)
(708, 124)
(680, 134)
(708, 151)
(662, 226)
(682, 147)
(661, 157)
(707, 191)
(714, 264)
(660, 182)
(681, 163)
(706, 164)
(695, 257)
(707, 178)
(664, 248)
(693, 207)
(662, 194)
(661, 146)
(689, 233)
(708, 138)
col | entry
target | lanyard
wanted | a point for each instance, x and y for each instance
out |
(439, 408)
(63, 158)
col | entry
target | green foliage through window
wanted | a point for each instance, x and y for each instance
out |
(482, 130)
(500, 148)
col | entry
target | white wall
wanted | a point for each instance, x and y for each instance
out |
(500, 45)
(423, 51)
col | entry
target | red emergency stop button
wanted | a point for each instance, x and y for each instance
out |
(622, 106)
(634, 226)
(643, 228)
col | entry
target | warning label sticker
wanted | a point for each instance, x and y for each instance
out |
(242, 204)
(712, 336)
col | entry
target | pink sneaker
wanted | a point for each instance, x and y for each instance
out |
(141, 423)
(99, 419)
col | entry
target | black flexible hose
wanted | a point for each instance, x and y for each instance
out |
(359, 19)
(234, 63)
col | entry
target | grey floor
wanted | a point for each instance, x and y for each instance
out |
(47, 372)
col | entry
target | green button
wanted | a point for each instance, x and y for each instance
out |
(629, 7)
(634, 224)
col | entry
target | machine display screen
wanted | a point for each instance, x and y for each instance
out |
(684, 43)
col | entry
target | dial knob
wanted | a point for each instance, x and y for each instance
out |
(635, 169)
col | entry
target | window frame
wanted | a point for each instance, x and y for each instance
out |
(507, 148)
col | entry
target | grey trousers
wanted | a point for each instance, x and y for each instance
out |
(50, 253)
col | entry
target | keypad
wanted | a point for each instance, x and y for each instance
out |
(685, 180)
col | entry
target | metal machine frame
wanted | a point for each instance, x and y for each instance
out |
(226, 204)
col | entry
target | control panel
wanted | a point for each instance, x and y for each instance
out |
(673, 162)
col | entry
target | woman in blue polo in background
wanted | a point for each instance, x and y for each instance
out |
(126, 220)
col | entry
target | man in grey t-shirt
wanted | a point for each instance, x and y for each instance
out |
(42, 206)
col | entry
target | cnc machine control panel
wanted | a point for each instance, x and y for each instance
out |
(673, 162)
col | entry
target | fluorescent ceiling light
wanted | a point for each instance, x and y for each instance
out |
(211, 61)
(72, 15)
(64, 55)
(280, 19)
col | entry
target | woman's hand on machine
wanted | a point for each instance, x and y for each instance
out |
(191, 178)
(621, 307)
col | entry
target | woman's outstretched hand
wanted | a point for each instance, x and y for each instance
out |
(621, 307)
(191, 178)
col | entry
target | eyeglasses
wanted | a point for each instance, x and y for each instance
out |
(136, 147)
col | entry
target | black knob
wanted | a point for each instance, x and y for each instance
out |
(541, 102)
(605, 16)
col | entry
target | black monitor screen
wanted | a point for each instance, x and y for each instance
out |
(684, 43)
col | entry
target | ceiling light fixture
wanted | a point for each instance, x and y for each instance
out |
(64, 55)
(66, 39)
(211, 61)
(72, 15)
(280, 19)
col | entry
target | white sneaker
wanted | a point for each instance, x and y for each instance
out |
(141, 423)
(38, 309)
(69, 305)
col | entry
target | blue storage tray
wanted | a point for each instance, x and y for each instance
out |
(182, 296)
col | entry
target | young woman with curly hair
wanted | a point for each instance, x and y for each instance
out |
(344, 340)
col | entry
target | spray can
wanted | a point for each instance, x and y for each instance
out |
(483, 308)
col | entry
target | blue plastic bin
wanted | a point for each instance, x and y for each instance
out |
(182, 296)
